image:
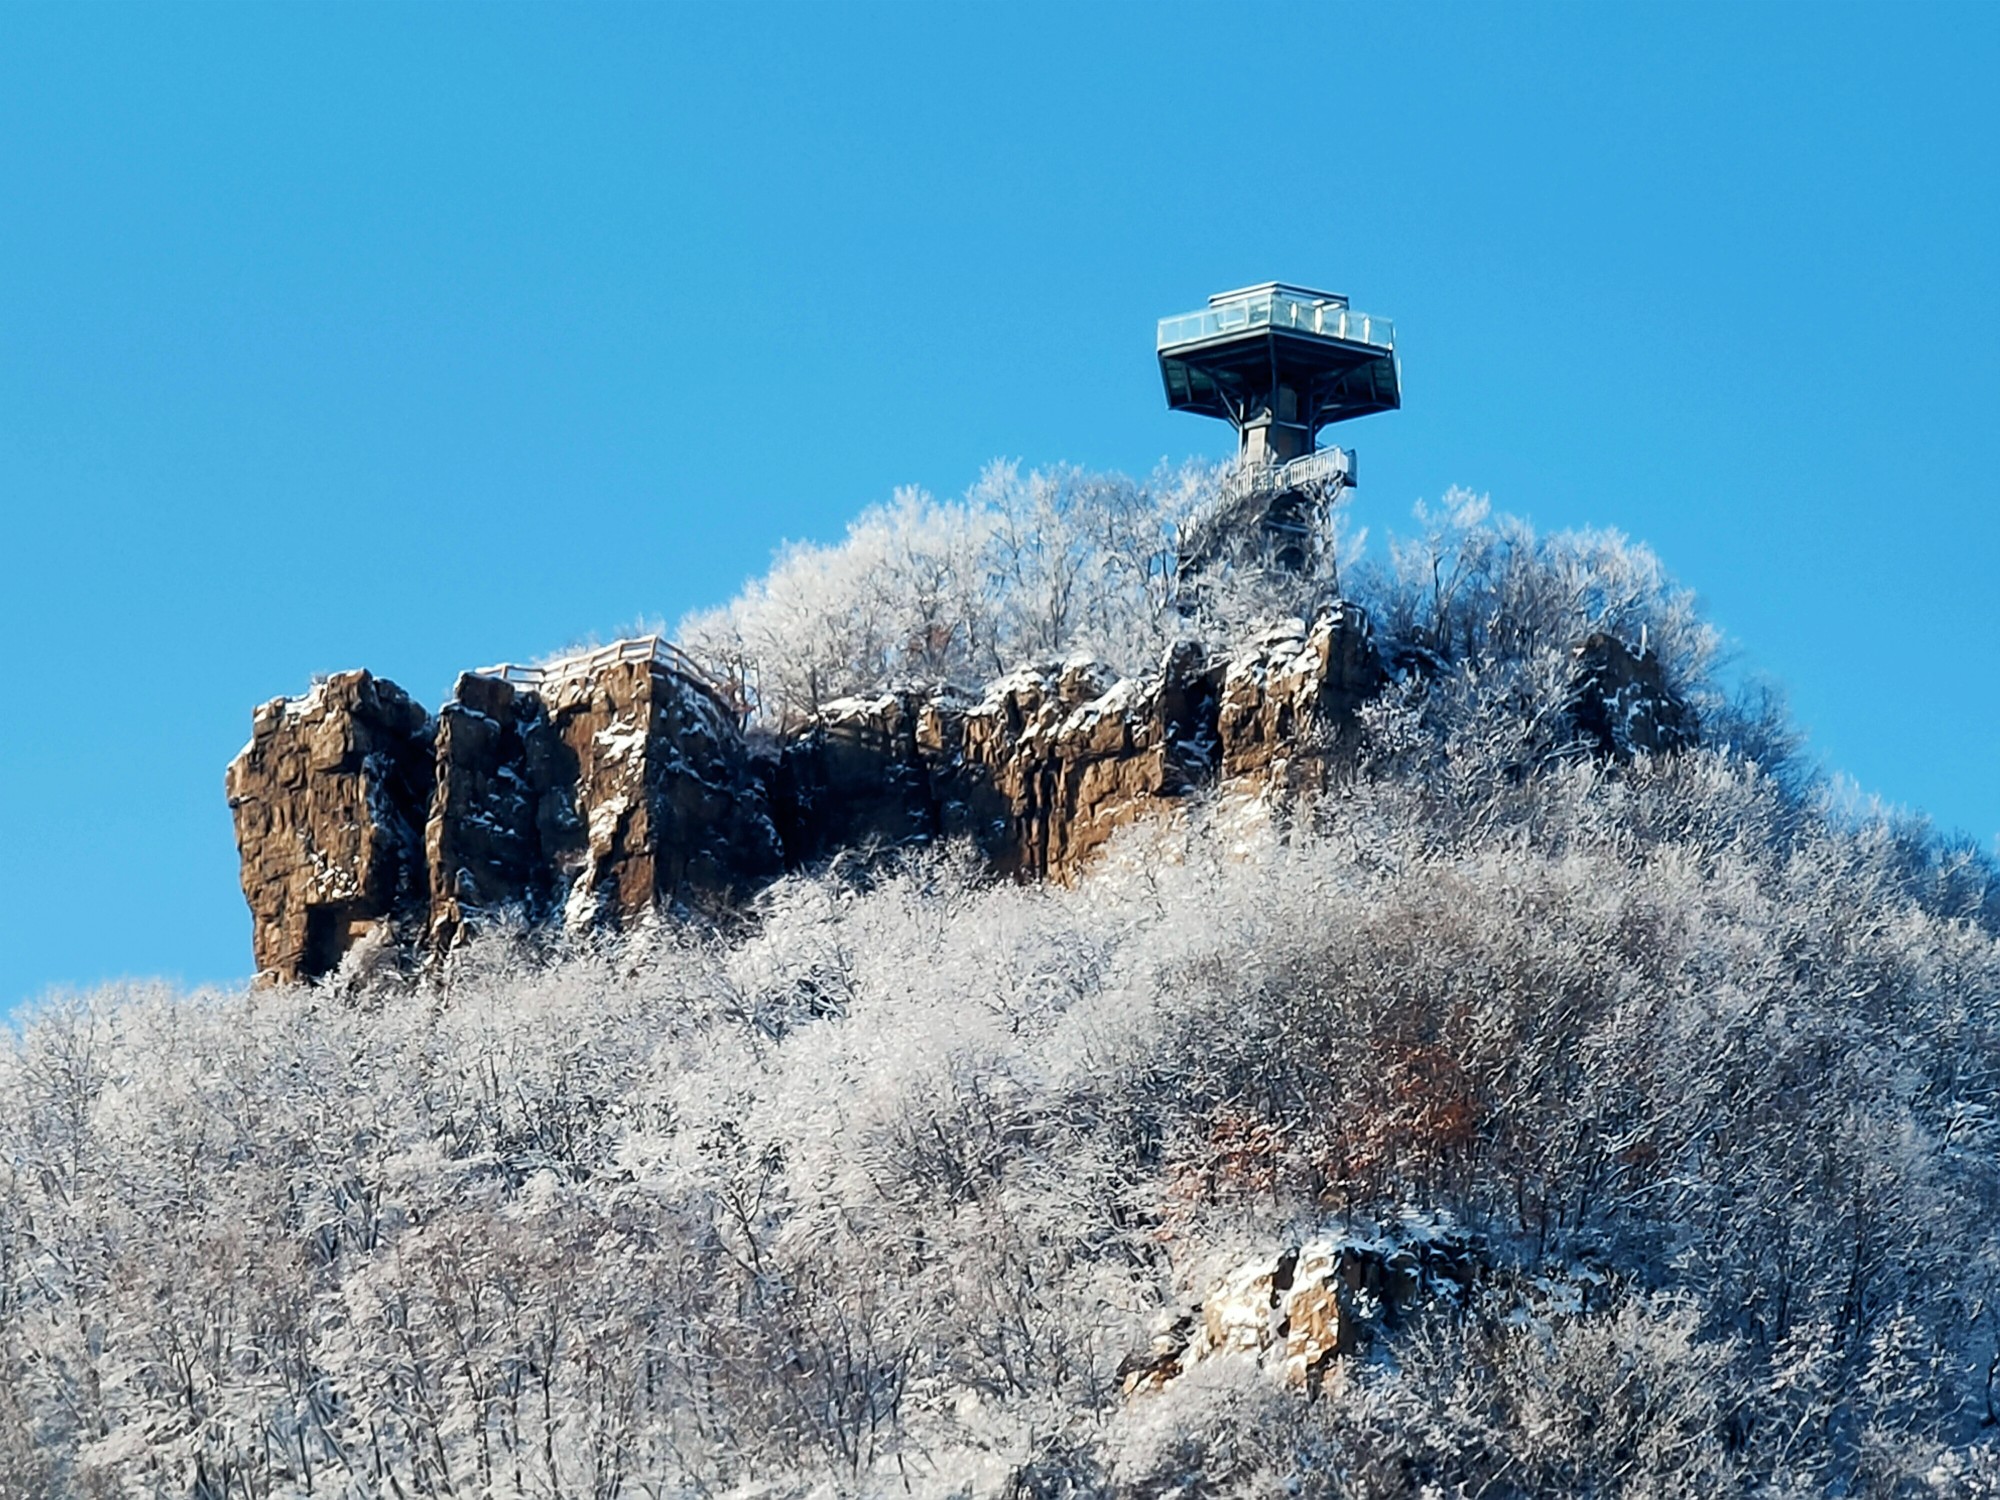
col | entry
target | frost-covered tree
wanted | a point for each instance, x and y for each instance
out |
(1024, 568)
(877, 1191)
(1039, 567)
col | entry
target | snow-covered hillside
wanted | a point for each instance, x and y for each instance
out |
(890, 1187)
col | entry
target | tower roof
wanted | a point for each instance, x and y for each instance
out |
(1282, 288)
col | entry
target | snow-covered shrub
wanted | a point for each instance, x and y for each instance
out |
(1023, 568)
(882, 1190)
(1479, 614)
(877, 1191)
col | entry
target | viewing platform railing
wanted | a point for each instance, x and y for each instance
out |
(656, 649)
(1276, 310)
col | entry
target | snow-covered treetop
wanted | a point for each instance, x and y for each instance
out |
(1042, 565)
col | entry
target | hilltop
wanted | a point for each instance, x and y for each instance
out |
(1027, 672)
(1521, 1076)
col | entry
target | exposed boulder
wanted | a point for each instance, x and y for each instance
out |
(1620, 702)
(329, 800)
(1290, 697)
(1310, 1304)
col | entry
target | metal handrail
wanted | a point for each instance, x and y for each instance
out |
(1276, 310)
(656, 649)
(1322, 466)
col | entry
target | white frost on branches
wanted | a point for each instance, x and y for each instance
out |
(874, 1194)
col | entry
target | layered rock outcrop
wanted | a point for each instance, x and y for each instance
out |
(330, 798)
(1309, 1305)
(1287, 698)
(1038, 774)
(600, 794)
(1053, 760)
(589, 797)
(604, 788)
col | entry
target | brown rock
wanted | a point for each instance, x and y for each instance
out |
(328, 799)
(1074, 755)
(856, 778)
(600, 789)
(1620, 703)
(1307, 1307)
(1038, 774)
(665, 806)
(1290, 697)
(601, 794)
(500, 802)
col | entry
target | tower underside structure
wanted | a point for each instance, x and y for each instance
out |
(1278, 363)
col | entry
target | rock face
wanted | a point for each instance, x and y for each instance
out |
(666, 802)
(1309, 1305)
(329, 799)
(1073, 755)
(1288, 696)
(597, 791)
(1621, 703)
(1053, 760)
(864, 775)
(495, 811)
(590, 798)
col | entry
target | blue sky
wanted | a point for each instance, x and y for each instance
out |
(418, 337)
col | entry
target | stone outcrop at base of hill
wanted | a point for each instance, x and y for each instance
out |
(603, 789)
(1309, 1305)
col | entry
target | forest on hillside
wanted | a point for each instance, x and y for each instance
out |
(883, 1189)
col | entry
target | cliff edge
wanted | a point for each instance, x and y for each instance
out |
(603, 788)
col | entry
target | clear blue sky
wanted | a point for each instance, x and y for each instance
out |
(416, 337)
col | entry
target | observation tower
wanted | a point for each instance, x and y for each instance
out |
(1278, 363)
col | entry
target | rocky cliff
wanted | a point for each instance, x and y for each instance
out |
(330, 798)
(608, 787)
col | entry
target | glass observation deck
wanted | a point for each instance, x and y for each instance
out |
(1290, 309)
(1279, 362)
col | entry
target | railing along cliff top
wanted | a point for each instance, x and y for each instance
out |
(656, 649)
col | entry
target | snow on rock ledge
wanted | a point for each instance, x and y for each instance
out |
(599, 795)
(1299, 1311)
